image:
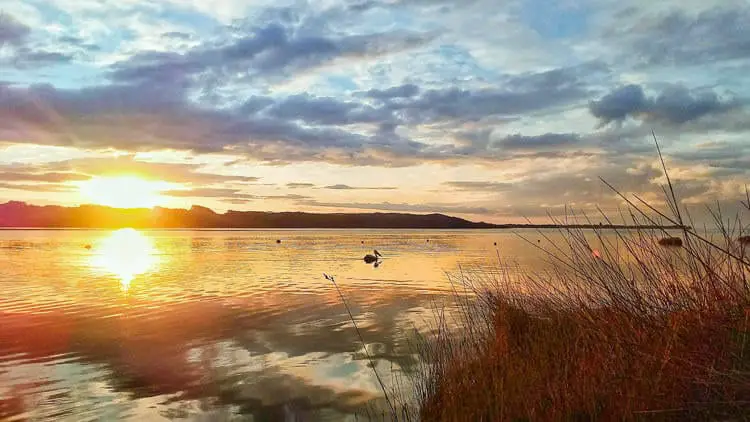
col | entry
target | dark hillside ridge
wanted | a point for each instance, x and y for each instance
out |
(20, 214)
(15, 214)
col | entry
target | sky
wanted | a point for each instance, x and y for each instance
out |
(492, 110)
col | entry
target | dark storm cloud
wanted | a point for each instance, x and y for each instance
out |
(675, 104)
(347, 187)
(12, 31)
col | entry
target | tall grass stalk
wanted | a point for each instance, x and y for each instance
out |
(383, 388)
(618, 328)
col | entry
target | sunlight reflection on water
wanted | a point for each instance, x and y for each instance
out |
(126, 253)
(219, 324)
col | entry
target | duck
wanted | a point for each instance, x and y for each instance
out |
(369, 259)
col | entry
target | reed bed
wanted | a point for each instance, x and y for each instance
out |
(621, 327)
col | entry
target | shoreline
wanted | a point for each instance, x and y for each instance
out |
(594, 227)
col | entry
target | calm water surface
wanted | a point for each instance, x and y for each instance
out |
(218, 325)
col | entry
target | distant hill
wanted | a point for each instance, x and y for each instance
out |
(19, 214)
(15, 214)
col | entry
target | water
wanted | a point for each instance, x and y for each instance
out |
(218, 325)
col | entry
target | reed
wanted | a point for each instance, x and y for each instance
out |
(621, 328)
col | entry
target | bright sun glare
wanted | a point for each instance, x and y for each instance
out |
(123, 191)
(125, 253)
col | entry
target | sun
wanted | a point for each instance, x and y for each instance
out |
(123, 191)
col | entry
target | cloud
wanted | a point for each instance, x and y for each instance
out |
(151, 115)
(235, 201)
(289, 196)
(273, 49)
(519, 94)
(127, 164)
(326, 111)
(547, 140)
(52, 177)
(78, 42)
(619, 103)
(234, 196)
(401, 91)
(347, 187)
(12, 31)
(24, 55)
(402, 207)
(479, 186)
(297, 185)
(209, 193)
(675, 104)
(682, 38)
(37, 187)
(27, 58)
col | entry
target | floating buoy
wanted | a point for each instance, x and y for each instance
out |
(671, 242)
(87, 246)
(278, 240)
(495, 243)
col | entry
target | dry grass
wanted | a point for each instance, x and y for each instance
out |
(620, 329)
(662, 335)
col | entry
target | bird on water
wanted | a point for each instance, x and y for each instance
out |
(369, 259)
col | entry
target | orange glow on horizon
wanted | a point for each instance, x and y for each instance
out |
(123, 191)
